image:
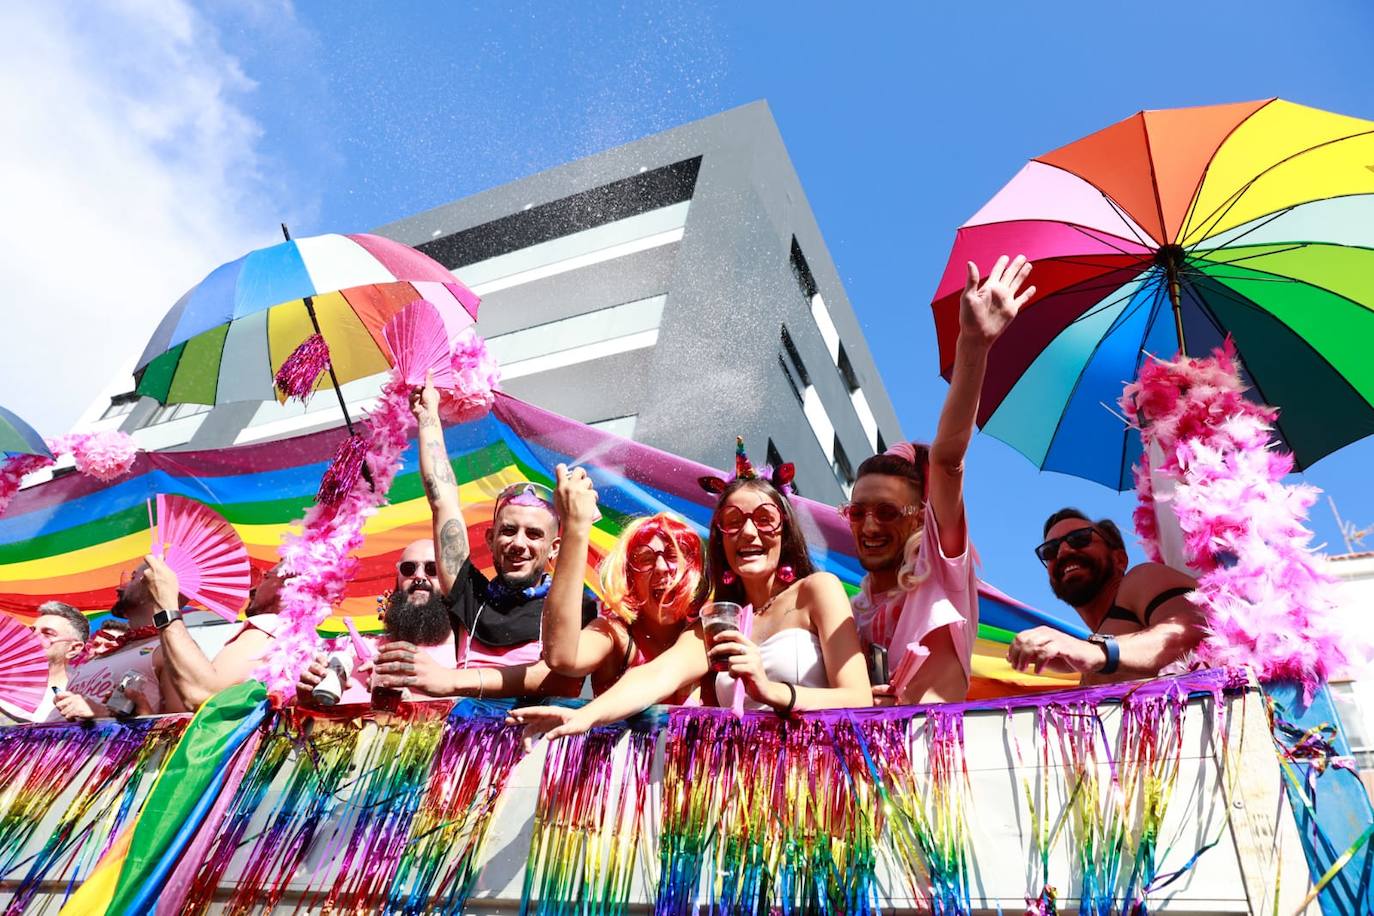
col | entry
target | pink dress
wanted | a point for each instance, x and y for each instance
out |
(900, 619)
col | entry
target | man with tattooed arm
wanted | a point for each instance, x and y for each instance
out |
(495, 621)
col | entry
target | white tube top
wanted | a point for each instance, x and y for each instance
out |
(790, 656)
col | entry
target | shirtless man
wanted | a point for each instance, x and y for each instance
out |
(1141, 618)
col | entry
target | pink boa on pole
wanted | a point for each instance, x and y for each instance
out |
(105, 456)
(1269, 604)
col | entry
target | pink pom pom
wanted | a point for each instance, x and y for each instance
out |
(344, 471)
(12, 473)
(105, 455)
(478, 376)
(302, 369)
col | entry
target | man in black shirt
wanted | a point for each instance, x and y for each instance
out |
(496, 621)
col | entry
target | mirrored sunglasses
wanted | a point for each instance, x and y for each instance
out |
(883, 513)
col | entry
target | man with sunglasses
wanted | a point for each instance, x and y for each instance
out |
(62, 630)
(917, 609)
(1141, 619)
(496, 622)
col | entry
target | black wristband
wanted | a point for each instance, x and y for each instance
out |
(791, 702)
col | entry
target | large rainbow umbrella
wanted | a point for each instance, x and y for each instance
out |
(1165, 233)
(225, 339)
(19, 438)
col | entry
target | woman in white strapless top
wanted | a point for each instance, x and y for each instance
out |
(790, 656)
(803, 652)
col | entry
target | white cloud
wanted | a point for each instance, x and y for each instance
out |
(129, 169)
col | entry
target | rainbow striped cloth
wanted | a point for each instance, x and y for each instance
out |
(70, 538)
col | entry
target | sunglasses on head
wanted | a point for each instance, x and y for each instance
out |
(644, 558)
(767, 518)
(407, 568)
(883, 513)
(1076, 539)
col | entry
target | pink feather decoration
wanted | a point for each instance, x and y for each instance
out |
(419, 346)
(322, 554)
(1268, 602)
(13, 470)
(300, 371)
(104, 455)
(476, 376)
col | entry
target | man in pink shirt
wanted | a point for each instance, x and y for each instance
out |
(917, 609)
(496, 622)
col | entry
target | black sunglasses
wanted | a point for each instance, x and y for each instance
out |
(407, 568)
(1077, 539)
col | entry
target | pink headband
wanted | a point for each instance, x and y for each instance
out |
(905, 450)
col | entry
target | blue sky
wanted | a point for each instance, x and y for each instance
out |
(901, 119)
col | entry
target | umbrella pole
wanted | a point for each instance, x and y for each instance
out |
(1171, 259)
(333, 377)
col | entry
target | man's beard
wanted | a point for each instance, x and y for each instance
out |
(529, 581)
(424, 624)
(1084, 590)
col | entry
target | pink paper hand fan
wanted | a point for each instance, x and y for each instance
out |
(419, 344)
(23, 665)
(204, 551)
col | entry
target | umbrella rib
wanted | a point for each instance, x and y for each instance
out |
(1103, 306)
(1266, 220)
(1083, 230)
(1126, 313)
(1296, 246)
(1128, 223)
(1155, 303)
(1217, 215)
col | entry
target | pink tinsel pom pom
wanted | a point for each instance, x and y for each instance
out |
(302, 369)
(478, 377)
(343, 472)
(12, 473)
(105, 455)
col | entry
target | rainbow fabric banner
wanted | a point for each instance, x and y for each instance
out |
(71, 538)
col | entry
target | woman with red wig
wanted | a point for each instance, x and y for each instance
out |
(648, 585)
(803, 652)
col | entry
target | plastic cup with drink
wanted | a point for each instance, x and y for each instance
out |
(716, 618)
(120, 704)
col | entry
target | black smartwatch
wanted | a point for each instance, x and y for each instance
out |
(163, 619)
(1108, 644)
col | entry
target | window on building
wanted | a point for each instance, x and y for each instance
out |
(844, 471)
(618, 426)
(579, 338)
(881, 445)
(169, 412)
(121, 405)
(1351, 714)
(851, 379)
(794, 359)
(792, 382)
(802, 271)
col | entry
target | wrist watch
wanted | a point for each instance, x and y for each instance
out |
(1108, 644)
(163, 618)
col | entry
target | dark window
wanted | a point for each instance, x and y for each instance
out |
(851, 380)
(844, 471)
(794, 358)
(671, 184)
(882, 446)
(774, 456)
(791, 382)
(802, 271)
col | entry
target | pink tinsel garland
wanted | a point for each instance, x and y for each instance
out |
(302, 369)
(478, 376)
(1268, 603)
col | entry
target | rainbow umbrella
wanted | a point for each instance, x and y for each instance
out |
(225, 339)
(19, 438)
(1165, 233)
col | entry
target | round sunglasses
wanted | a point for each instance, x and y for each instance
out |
(407, 568)
(883, 513)
(644, 558)
(767, 519)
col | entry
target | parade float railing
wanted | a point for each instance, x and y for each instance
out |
(1163, 795)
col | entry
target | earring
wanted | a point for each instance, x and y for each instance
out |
(787, 574)
(728, 577)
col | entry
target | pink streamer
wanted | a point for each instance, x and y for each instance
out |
(302, 369)
(746, 628)
(344, 471)
(104, 455)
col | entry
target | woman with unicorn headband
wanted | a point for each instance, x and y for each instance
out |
(649, 585)
(803, 651)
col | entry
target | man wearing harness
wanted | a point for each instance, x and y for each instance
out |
(496, 622)
(1141, 619)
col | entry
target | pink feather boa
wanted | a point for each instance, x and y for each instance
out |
(478, 376)
(105, 456)
(1268, 602)
(321, 556)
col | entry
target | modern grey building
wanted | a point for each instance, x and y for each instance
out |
(675, 290)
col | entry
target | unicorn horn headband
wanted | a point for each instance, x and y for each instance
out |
(780, 477)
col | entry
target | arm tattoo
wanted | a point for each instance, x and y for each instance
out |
(453, 545)
(443, 471)
(428, 421)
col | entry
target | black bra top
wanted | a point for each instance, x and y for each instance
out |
(1117, 612)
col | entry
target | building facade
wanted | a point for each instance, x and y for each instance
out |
(675, 290)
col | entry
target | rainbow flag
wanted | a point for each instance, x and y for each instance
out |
(70, 538)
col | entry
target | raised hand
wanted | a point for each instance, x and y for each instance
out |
(424, 402)
(161, 583)
(988, 306)
(574, 497)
